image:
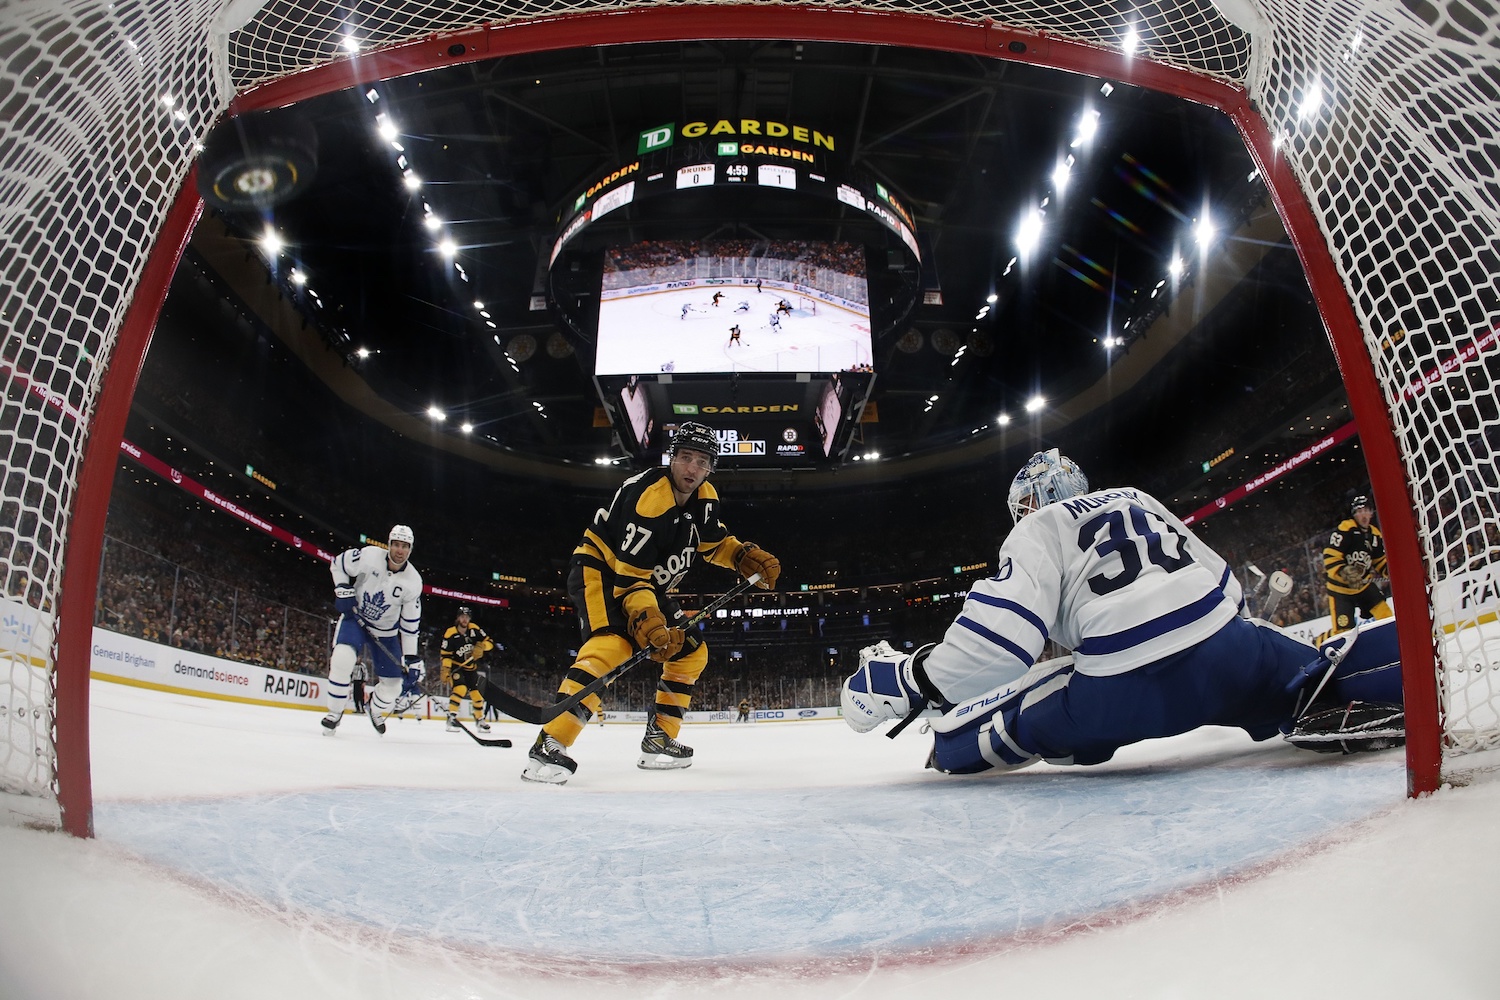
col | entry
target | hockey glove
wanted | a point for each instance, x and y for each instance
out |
(650, 630)
(415, 665)
(882, 689)
(1357, 569)
(753, 559)
(343, 601)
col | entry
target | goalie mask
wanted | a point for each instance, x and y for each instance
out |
(1047, 477)
(697, 437)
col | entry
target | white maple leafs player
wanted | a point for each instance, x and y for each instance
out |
(378, 594)
(1152, 616)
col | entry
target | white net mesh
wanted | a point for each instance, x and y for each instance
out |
(1387, 115)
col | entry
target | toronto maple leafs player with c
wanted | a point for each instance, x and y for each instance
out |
(1153, 618)
(378, 594)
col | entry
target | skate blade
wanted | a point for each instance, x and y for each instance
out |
(659, 762)
(552, 776)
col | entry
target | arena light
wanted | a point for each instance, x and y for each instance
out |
(363, 352)
(432, 222)
(1034, 404)
(467, 428)
(1131, 42)
(436, 413)
(447, 248)
(298, 278)
(1003, 419)
(1061, 173)
(1175, 266)
(411, 180)
(385, 128)
(1204, 232)
(272, 243)
(1029, 234)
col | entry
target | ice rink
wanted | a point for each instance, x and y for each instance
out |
(239, 853)
(682, 331)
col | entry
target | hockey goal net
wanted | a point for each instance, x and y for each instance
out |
(1375, 125)
(806, 304)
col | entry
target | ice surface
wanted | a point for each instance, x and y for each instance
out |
(240, 853)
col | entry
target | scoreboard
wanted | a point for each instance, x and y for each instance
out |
(701, 159)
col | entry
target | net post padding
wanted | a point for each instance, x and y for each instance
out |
(101, 456)
(1368, 405)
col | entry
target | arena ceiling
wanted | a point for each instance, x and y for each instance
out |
(970, 146)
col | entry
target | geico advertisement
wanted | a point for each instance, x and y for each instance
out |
(136, 660)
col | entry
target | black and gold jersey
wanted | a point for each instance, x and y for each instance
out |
(643, 543)
(463, 646)
(1353, 558)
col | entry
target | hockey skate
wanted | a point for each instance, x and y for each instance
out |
(549, 763)
(331, 723)
(660, 752)
(453, 726)
(375, 719)
(481, 725)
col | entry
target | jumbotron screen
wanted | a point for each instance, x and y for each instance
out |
(743, 306)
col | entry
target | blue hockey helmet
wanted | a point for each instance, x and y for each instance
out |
(1047, 477)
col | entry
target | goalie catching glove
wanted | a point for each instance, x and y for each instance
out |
(752, 559)
(650, 630)
(884, 688)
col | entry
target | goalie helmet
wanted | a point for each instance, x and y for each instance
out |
(401, 533)
(698, 437)
(1047, 477)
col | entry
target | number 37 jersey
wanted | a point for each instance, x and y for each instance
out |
(1113, 576)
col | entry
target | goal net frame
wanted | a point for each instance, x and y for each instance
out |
(107, 105)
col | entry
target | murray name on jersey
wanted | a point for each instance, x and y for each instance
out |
(1073, 572)
(387, 602)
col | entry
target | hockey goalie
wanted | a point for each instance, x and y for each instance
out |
(1160, 647)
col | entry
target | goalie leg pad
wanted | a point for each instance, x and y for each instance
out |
(1353, 728)
(979, 734)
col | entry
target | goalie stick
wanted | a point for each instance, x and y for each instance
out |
(537, 715)
(1279, 585)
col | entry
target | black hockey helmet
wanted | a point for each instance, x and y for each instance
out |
(1359, 503)
(464, 612)
(698, 437)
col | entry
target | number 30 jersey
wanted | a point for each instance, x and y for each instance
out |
(1111, 575)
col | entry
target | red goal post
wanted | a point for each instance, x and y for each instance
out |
(1371, 126)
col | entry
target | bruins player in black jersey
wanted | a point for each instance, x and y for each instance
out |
(633, 554)
(463, 644)
(1353, 561)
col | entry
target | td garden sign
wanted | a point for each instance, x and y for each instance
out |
(743, 136)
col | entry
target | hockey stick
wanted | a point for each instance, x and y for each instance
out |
(480, 739)
(537, 715)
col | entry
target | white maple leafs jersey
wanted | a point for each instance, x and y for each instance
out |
(388, 602)
(1111, 575)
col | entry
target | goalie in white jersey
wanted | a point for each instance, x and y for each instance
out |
(378, 594)
(1152, 616)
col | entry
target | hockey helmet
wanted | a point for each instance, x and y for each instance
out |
(1047, 477)
(1360, 503)
(698, 437)
(464, 612)
(401, 533)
